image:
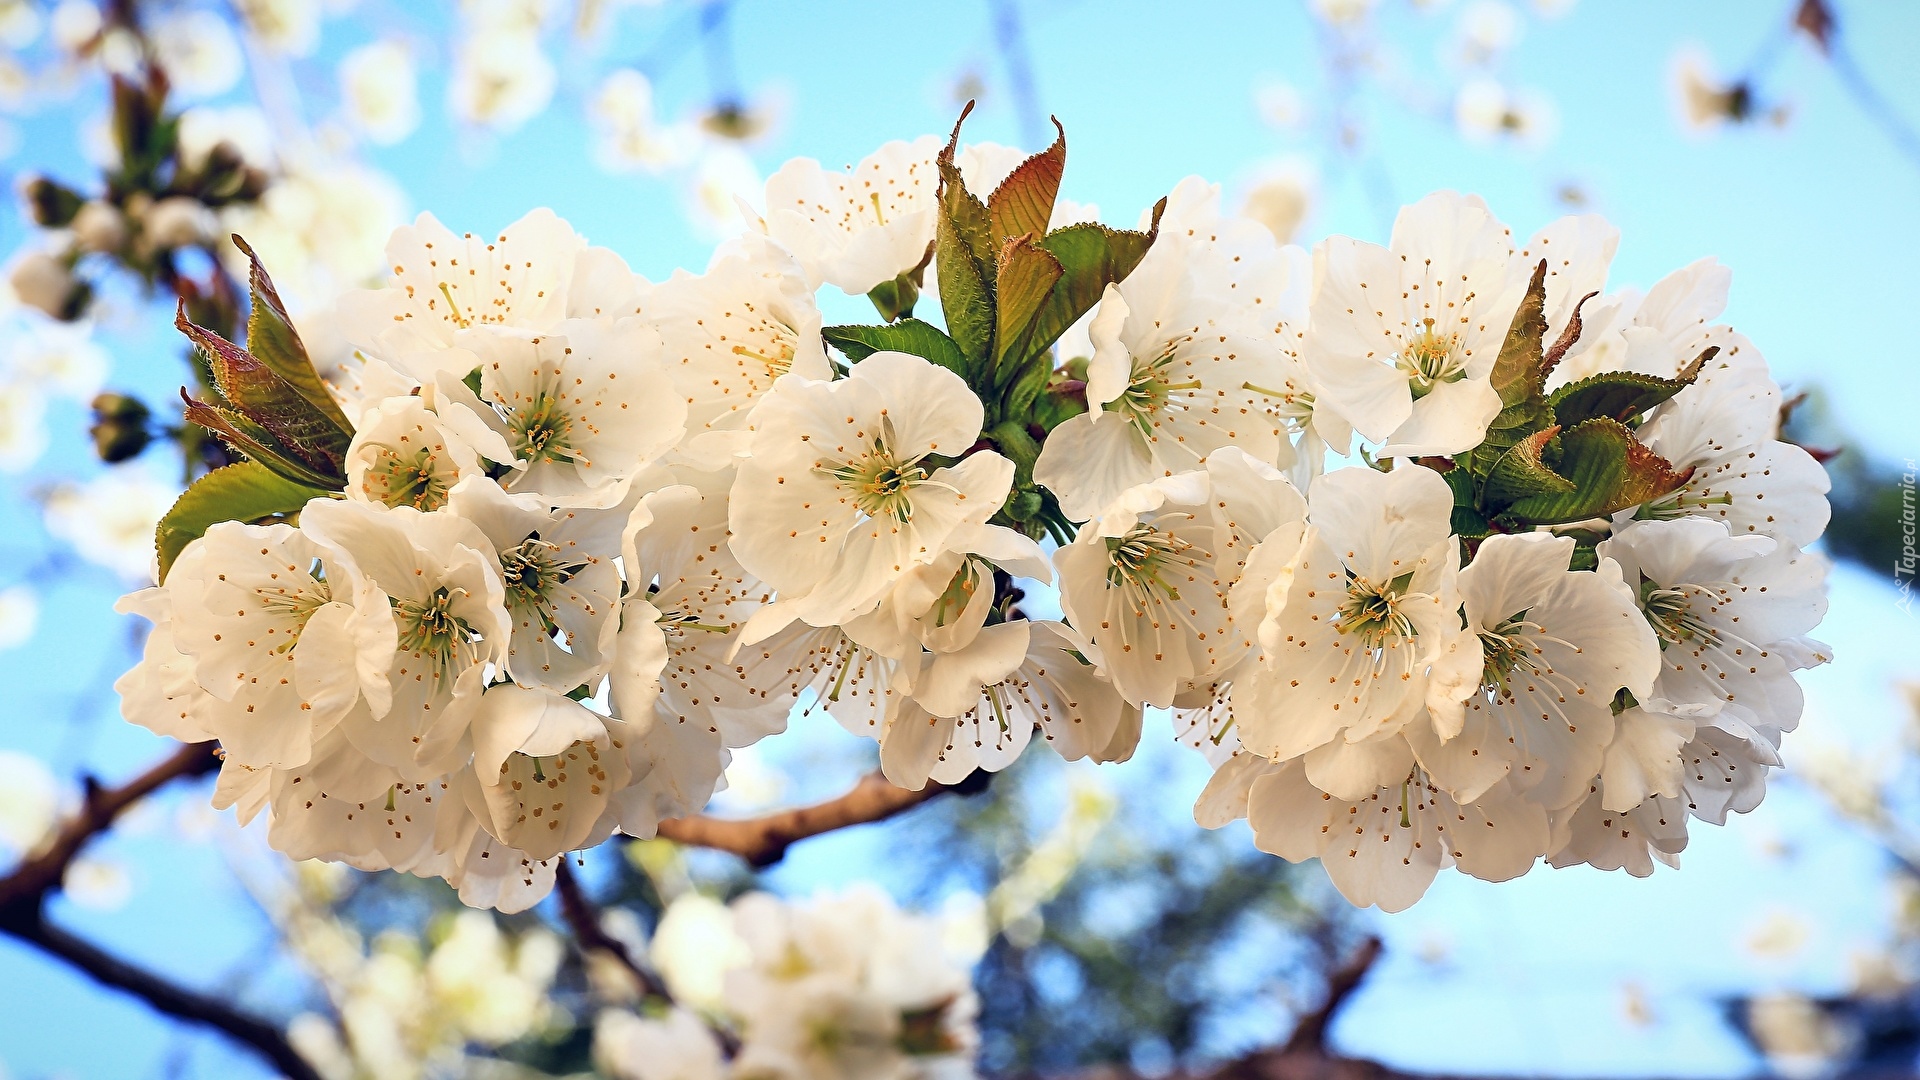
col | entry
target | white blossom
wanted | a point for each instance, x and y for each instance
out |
(1403, 338)
(861, 227)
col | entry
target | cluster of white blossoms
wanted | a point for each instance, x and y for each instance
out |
(840, 987)
(560, 538)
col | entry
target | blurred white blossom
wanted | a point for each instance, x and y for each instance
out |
(19, 616)
(243, 128)
(501, 76)
(322, 227)
(110, 518)
(1280, 197)
(1800, 1041)
(1485, 110)
(23, 429)
(97, 884)
(291, 27)
(1487, 29)
(73, 24)
(694, 947)
(724, 176)
(377, 86)
(198, 51)
(629, 135)
(29, 802)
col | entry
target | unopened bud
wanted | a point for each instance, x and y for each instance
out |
(100, 226)
(51, 203)
(120, 430)
(176, 222)
(42, 281)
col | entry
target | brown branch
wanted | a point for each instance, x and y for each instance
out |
(23, 895)
(33, 879)
(262, 1037)
(1310, 1034)
(763, 841)
(584, 919)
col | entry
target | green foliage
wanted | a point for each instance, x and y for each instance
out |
(272, 405)
(274, 342)
(1519, 377)
(247, 491)
(1606, 470)
(1008, 290)
(1520, 473)
(1620, 395)
(907, 336)
(1552, 459)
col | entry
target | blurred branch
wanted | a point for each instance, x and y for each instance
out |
(1009, 36)
(167, 997)
(763, 841)
(584, 920)
(1310, 1034)
(23, 895)
(29, 884)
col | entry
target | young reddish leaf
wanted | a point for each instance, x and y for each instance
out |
(1023, 203)
(1026, 278)
(1517, 373)
(1521, 473)
(260, 444)
(272, 340)
(256, 391)
(1610, 470)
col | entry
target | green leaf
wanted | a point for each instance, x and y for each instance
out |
(907, 336)
(1620, 395)
(1519, 377)
(257, 443)
(274, 342)
(1520, 473)
(247, 491)
(1609, 469)
(966, 256)
(1023, 203)
(1091, 257)
(300, 432)
(1517, 373)
(1025, 281)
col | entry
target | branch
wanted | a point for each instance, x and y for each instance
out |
(262, 1037)
(584, 920)
(1310, 1034)
(763, 841)
(33, 879)
(23, 895)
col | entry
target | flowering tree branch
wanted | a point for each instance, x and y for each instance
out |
(29, 884)
(584, 919)
(24, 892)
(763, 841)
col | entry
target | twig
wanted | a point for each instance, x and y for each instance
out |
(1310, 1034)
(33, 879)
(763, 841)
(584, 919)
(167, 997)
(23, 895)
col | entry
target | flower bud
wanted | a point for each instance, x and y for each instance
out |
(51, 203)
(119, 428)
(99, 226)
(176, 222)
(45, 282)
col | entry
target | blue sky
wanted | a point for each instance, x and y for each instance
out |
(1820, 221)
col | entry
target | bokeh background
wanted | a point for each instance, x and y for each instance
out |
(1776, 136)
